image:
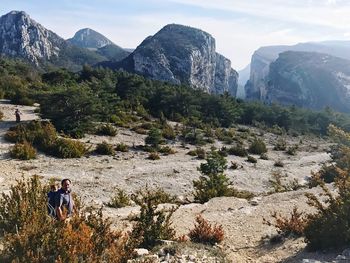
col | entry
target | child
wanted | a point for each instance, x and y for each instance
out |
(51, 200)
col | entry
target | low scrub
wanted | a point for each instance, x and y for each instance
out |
(68, 148)
(281, 144)
(251, 159)
(33, 236)
(257, 147)
(154, 156)
(120, 199)
(238, 150)
(166, 150)
(287, 226)
(204, 232)
(23, 151)
(106, 129)
(121, 147)
(105, 148)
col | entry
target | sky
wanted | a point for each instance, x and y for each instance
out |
(239, 26)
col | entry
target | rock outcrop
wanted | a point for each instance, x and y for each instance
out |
(311, 80)
(182, 55)
(22, 37)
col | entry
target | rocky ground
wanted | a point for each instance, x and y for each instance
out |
(96, 177)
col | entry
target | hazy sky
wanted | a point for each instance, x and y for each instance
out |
(239, 26)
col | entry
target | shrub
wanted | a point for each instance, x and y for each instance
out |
(120, 199)
(168, 132)
(294, 225)
(223, 151)
(264, 156)
(1, 115)
(213, 182)
(292, 150)
(153, 156)
(23, 151)
(327, 174)
(32, 236)
(279, 163)
(121, 147)
(234, 165)
(205, 233)
(251, 159)
(152, 224)
(106, 129)
(257, 147)
(166, 150)
(238, 151)
(105, 148)
(154, 138)
(67, 148)
(281, 144)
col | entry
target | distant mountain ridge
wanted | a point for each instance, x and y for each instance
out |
(310, 79)
(88, 38)
(264, 56)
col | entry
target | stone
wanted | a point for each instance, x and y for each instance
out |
(141, 252)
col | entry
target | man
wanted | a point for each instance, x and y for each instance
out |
(18, 115)
(63, 201)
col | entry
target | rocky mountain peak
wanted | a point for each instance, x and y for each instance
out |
(183, 55)
(20, 36)
(88, 38)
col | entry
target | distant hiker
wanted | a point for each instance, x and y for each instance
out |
(64, 201)
(18, 115)
(51, 200)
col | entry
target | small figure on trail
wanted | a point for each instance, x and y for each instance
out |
(64, 203)
(18, 115)
(51, 200)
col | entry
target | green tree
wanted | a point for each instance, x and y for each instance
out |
(213, 182)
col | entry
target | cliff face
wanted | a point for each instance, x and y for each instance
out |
(311, 80)
(20, 36)
(262, 58)
(183, 55)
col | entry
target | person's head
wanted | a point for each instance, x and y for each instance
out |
(53, 187)
(65, 185)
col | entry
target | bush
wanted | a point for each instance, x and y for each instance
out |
(292, 150)
(120, 199)
(294, 225)
(32, 236)
(213, 182)
(199, 152)
(206, 233)
(166, 150)
(257, 147)
(168, 132)
(251, 159)
(106, 129)
(152, 224)
(105, 148)
(121, 147)
(1, 115)
(153, 156)
(23, 151)
(281, 144)
(67, 148)
(154, 138)
(279, 163)
(264, 156)
(238, 151)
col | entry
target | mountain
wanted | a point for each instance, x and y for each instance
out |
(113, 52)
(182, 55)
(22, 37)
(309, 79)
(264, 56)
(244, 75)
(88, 38)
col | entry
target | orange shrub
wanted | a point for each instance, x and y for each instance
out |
(206, 233)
